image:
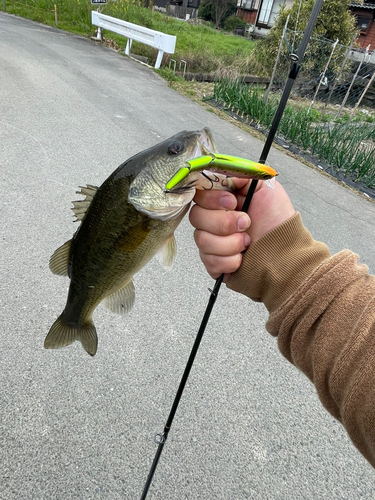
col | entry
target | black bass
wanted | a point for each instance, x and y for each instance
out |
(124, 223)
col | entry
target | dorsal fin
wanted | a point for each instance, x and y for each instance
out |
(80, 207)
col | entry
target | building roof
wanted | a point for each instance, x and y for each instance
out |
(370, 6)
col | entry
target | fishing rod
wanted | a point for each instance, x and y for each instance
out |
(296, 59)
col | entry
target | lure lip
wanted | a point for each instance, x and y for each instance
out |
(232, 166)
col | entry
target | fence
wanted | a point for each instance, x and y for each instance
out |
(181, 12)
(331, 73)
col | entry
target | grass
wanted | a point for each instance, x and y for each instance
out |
(344, 144)
(204, 48)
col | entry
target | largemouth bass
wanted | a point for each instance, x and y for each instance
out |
(124, 223)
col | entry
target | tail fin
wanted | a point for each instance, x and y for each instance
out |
(61, 334)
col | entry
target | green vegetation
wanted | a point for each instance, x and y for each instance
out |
(348, 146)
(335, 21)
(232, 22)
(204, 48)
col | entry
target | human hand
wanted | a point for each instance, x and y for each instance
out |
(222, 232)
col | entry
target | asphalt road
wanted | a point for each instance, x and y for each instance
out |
(250, 425)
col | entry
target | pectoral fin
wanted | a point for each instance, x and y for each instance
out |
(58, 263)
(122, 301)
(167, 253)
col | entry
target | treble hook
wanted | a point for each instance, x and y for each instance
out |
(215, 179)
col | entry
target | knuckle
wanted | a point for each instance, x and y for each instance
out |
(212, 263)
(200, 238)
(235, 263)
(217, 265)
(239, 243)
(229, 222)
(194, 215)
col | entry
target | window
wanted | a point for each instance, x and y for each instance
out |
(248, 4)
(363, 22)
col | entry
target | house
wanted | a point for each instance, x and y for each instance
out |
(261, 13)
(365, 22)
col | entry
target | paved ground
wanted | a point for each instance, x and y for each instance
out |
(72, 427)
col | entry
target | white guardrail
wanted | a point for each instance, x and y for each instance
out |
(160, 41)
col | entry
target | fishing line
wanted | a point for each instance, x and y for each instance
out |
(160, 439)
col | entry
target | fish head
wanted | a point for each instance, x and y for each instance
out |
(158, 164)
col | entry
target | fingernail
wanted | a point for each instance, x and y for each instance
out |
(228, 202)
(247, 240)
(243, 222)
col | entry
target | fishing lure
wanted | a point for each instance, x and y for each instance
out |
(232, 166)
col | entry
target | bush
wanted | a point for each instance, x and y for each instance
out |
(232, 22)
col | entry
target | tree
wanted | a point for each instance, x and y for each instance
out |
(217, 10)
(335, 21)
(206, 11)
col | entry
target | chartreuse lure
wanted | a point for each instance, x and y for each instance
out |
(232, 166)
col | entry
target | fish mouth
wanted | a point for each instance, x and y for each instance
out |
(205, 144)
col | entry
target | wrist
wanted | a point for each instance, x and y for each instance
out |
(275, 265)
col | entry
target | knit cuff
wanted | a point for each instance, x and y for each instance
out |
(278, 263)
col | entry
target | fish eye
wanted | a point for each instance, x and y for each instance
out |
(175, 148)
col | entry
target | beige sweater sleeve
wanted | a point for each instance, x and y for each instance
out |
(322, 309)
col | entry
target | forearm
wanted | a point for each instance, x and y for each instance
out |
(322, 309)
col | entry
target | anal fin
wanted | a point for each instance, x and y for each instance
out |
(121, 301)
(59, 261)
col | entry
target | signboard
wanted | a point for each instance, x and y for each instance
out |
(97, 2)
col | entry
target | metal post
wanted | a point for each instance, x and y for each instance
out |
(184, 63)
(174, 65)
(159, 59)
(364, 92)
(324, 73)
(340, 70)
(296, 26)
(352, 82)
(128, 46)
(276, 62)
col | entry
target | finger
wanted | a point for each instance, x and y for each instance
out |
(242, 193)
(215, 200)
(217, 265)
(218, 222)
(221, 245)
